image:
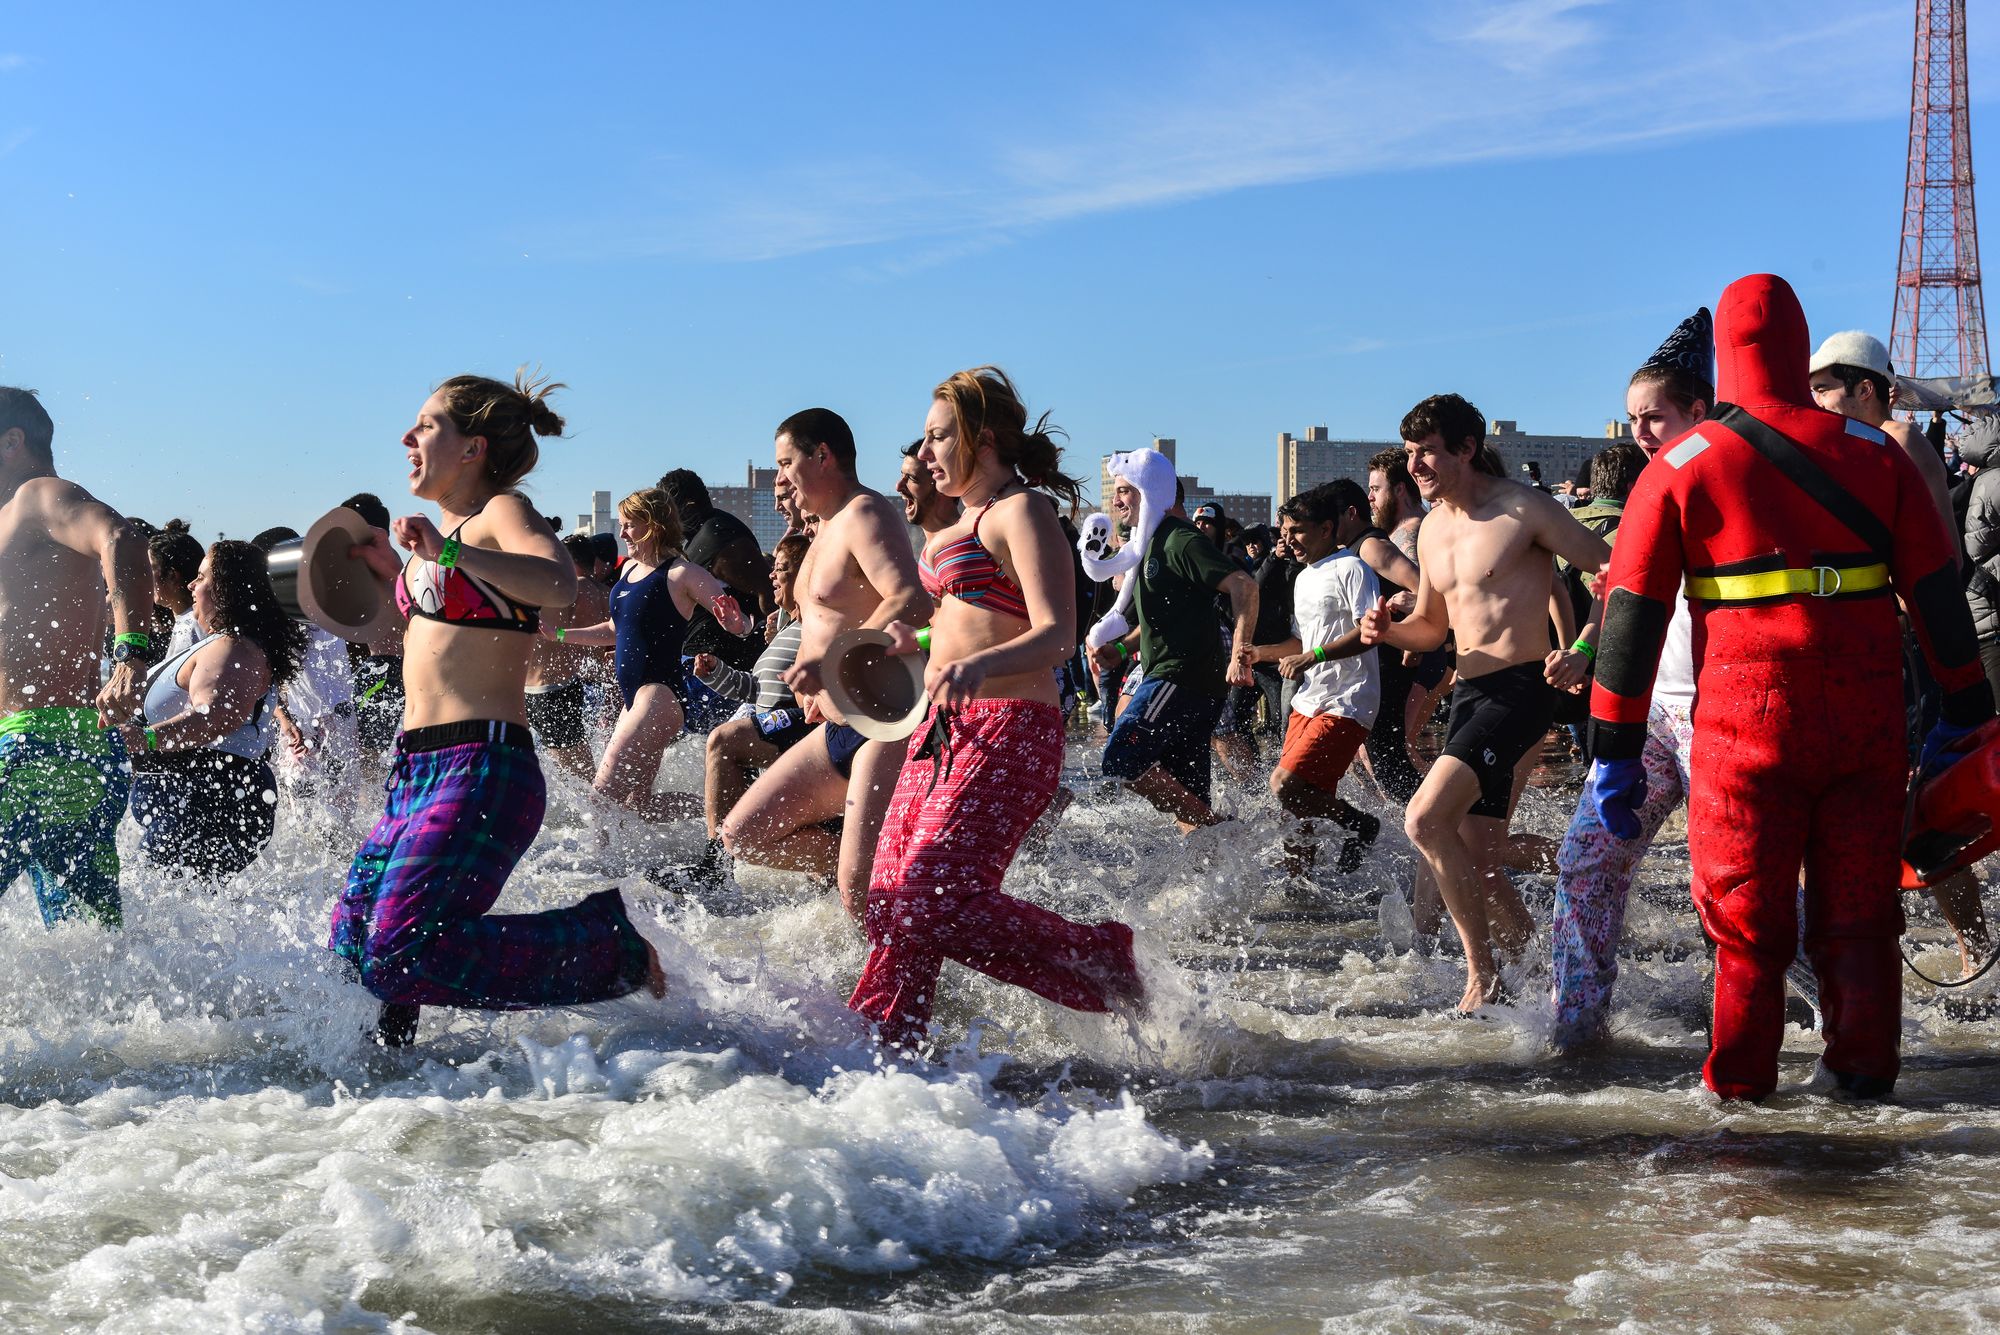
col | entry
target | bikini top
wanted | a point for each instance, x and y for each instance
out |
(967, 571)
(458, 598)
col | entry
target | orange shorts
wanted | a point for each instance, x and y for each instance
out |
(1319, 749)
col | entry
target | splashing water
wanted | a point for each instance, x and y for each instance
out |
(197, 1134)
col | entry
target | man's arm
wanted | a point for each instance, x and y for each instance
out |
(1242, 591)
(1931, 469)
(741, 565)
(1388, 562)
(1561, 611)
(1420, 632)
(1557, 530)
(1272, 653)
(882, 549)
(79, 521)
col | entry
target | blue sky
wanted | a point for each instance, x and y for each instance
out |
(242, 245)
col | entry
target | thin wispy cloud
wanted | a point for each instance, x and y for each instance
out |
(1517, 79)
(11, 141)
(10, 61)
(1528, 35)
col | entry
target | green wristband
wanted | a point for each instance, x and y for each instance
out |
(924, 638)
(152, 740)
(1584, 647)
(137, 639)
(1319, 653)
(560, 632)
(1123, 652)
(448, 554)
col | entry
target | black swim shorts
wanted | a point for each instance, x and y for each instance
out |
(1494, 720)
(378, 700)
(556, 715)
(782, 728)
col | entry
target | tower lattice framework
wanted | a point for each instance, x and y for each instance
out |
(1940, 323)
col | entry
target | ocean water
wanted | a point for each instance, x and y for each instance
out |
(195, 1134)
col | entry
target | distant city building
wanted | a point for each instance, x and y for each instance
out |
(1246, 508)
(753, 503)
(1315, 459)
(600, 519)
(1558, 457)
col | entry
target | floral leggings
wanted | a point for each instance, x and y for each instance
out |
(1594, 878)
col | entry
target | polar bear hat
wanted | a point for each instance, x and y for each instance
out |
(1152, 474)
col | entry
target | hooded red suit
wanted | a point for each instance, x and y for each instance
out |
(1799, 751)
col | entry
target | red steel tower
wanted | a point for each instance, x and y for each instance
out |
(1940, 323)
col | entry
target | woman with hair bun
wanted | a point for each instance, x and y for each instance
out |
(1005, 622)
(202, 788)
(466, 796)
(176, 560)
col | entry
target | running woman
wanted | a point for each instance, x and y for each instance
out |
(656, 593)
(985, 764)
(465, 794)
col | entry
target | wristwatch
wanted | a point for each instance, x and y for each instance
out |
(128, 653)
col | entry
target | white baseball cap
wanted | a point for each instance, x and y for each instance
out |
(1851, 347)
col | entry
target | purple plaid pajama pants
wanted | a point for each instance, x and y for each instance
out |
(413, 918)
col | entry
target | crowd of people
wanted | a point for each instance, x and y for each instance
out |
(1625, 610)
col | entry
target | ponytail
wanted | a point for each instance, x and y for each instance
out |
(508, 416)
(984, 402)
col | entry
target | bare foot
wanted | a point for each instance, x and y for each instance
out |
(1479, 991)
(656, 977)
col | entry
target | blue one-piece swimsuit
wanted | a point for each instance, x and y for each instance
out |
(650, 630)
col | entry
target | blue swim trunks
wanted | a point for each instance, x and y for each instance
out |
(841, 744)
(63, 786)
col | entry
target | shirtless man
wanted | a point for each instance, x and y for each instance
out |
(1485, 574)
(1850, 376)
(63, 774)
(859, 571)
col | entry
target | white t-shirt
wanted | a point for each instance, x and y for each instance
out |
(1327, 602)
(324, 680)
(1674, 685)
(186, 632)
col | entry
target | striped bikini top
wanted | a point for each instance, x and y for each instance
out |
(967, 571)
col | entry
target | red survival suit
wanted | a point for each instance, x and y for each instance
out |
(1799, 749)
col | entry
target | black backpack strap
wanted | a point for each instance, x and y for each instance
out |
(1784, 454)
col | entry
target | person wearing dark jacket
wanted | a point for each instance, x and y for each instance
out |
(1980, 447)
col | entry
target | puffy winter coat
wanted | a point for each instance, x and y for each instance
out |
(1980, 447)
